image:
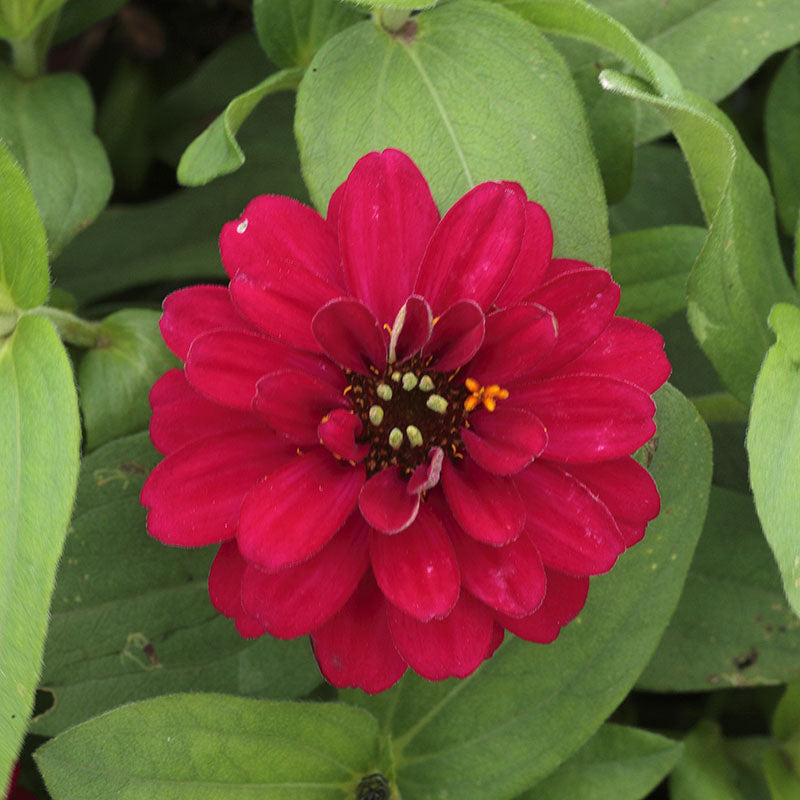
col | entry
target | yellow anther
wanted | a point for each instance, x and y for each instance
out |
(472, 385)
(471, 403)
(488, 395)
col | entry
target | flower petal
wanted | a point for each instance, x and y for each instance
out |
(627, 350)
(516, 339)
(442, 648)
(417, 568)
(225, 579)
(195, 310)
(338, 431)
(474, 247)
(182, 415)
(505, 440)
(294, 403)
(457, 335)
(297, 600)
(290, 516)
(626, 489)
(349, 333)
(194, 494)
(354, 648)
(411, 329)
(589, 418)
(428, 473)
(533, 258)
(565, 597)
(249, 628)
(225, 366)
(273, 226)
(281, 298)
(571, 528)
(386, 218)
(386, 502)
(488, 507)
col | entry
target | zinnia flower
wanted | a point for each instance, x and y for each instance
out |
(409, 434)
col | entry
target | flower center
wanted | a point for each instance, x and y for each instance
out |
(406, 411)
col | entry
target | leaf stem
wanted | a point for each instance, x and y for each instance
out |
(25, 56)
(72, 329)
(391, 19)
(720, 407)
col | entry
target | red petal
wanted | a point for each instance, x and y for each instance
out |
(277, 227)
(386, 218)
(498, 633)
(195, 310)
(572, 530)
(589, 418)
(583, 301)
(226, 366)
(225, 579)
(297, 600)
(474, 247)
(457, 335)
(349, 333)
(486, 506)
(249, 628)
(338, 431)
(194, 494)
(628, 350)
(563, 601)
(427, 474)
(294, 404)
(451, 647)
(335, 207)
(533, 258)
(182, 415)
(281, 298)
(290, 516)
(516, 339)
(505, 440)
(411, 329)
(417, 569)
(509, 578)
(626, 489)
(355, 648)
(386, 502)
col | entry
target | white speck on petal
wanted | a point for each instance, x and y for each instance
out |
(242, 226)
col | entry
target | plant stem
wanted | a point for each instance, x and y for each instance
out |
(25, 56)
(720, 407)
(72, 329)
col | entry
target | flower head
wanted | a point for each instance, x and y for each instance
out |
(408, 434)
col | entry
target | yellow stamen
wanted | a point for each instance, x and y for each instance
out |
(488, 395)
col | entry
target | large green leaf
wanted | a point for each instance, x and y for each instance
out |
(781, 122)
(525, 710)
(116, 376)
(472, 93)
(213, 747)
(48, 125)
(23, 252)
(39, 440)
(732, 626)
(773, 446)
(18, 18)
(131, 617)
(617, 762)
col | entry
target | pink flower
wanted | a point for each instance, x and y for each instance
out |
(408, 433)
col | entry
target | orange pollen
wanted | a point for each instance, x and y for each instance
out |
(488, 395)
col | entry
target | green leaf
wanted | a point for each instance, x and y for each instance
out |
(23, 251)
(781, 123)
(525, 710)
(48, 125)
(740, 273)
(781, 769)
(207, 746)
(773, 446)
(447, 92)
(652, 267)
(786, 720)
(216, 152)
(176, 239)
(291, 31)
(409, 5)
(115, 377)
(78, 15)
(153, 629)
(18, 18)
(705, 771)
(619, 762)
(39, 440)
(732, 627)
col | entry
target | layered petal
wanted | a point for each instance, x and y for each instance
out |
(386, 502)
(349, 333)
(195, 494)
(457, 335)
(386, 218)
(225, 580)
(442, 648)
(338, 431)
(417, 569)
(288, 517)
(293, 602)
(411, 329)
(474, 247)
(275, 227)
(355, 648)
(570, 527)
